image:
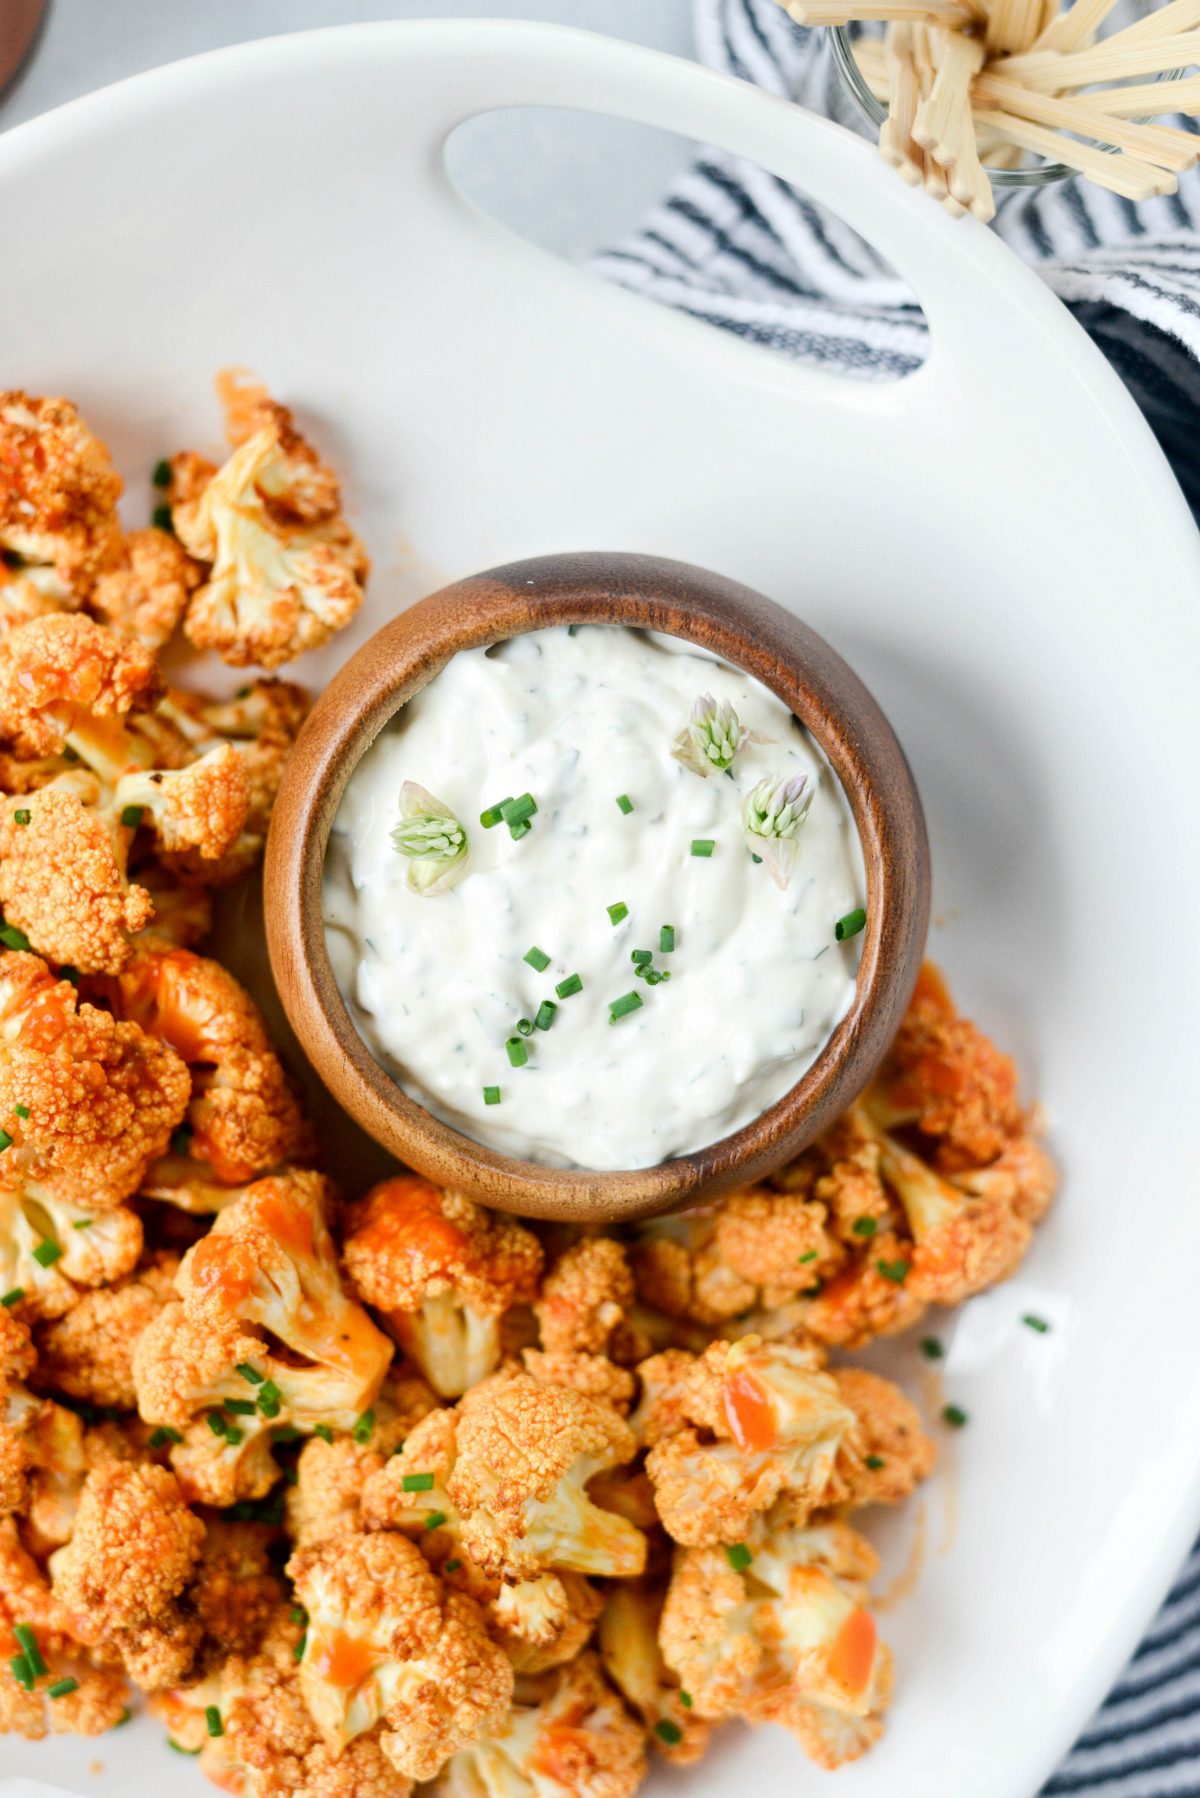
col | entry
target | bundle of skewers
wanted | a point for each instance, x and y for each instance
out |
(976, 84)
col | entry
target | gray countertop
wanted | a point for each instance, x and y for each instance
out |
(569, 181)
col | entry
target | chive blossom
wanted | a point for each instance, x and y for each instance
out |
(491, 1095)
(624, 803)
(738, 1556)
(516, 1051)
(417, 1482)
(621, 1008)
(571, 985)
(537, 958)
(432, 839)
(711, 738)
(850, 925)
(617, 912)
(772, 814)
(545, 1015)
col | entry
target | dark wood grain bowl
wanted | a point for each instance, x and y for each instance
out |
(683, 601)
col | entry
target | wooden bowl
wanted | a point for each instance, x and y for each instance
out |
(683, 601)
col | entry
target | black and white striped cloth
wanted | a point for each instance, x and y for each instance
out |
(736, 246)
(739, 248)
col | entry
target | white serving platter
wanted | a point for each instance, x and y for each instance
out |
(996, 543)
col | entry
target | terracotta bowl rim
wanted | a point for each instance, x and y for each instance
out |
(755, 635)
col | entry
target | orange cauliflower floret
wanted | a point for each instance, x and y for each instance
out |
(286, 571)
(262, 1338)
(242, 1119)
(868, 1296)
(63, 678)
(133, 1550)
(542, 1622)
(88, 1352)
(751, 1421)
(681, 1272)
(32, 1701)
(88, 1102)
(946, 1079)
(387, 1643)
(235, 1591)
(633, 1661)
(18, 1408)
(326, 1499)
(51, 1251)
(778, 1241)
(524, 1454)
(888, 1454)
(58, 497)
(145, 594)
(582, 1319)
(776, 1630)
(443, 1272)
(63, 880)
(567, 1736)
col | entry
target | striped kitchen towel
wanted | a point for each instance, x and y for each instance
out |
(737, 247)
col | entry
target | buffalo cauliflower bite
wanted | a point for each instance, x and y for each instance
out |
(67, 683)
(144, 594)
(18, 1407)
(443, 1272)
(52, 1252)
(628, 1643)
(778, 1631)
(777, 1241)
(524, 1454)
(58, 494)
(887, 1456)
(281, 580)
(235, 1591)
(948, 1081)
(870, 1295)
(242, 1119)
(566, 1736)
(132, 1552)
(63, 879)
(262, 1321)
(302, 487)
(582, 1317)
(751, 1421)
(545, 1621)
(387, 1643)
(88, 1351)
(87, 1102)
(27, 1708)
(681, 1272)
(326, 1499)
(964, 1240)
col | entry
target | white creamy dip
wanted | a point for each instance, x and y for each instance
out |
(437, 984)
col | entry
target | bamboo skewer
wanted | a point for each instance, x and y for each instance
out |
(1164, 145)
(1142, 102)
(1123, 174)
(912, 12)
(1075, 27)
(1049, 72)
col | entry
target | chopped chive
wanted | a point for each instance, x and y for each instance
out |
(323, 1431)
(811, 1256)
(417, 1482)
(738, 1556)
(22, 1111)
(71, 975)
(249, 1373)
(47, 1253)
(33, 1654)
(435, 1520)
(620, 1008)
(181, 1139)
(491, 1095)
(161, 476)
(180, 1749)
(22, 816)
(617, 912)
(572, 984)
(162, 1436)
(516, 1051)
(624, 803)
(216, 1423)
(537, 958)
(62, 1688)
(756, 858)
(895, 1271)
(666, 939)
(125, 1717)
(298, 1650)
(12, 938)
(850, 925)
(1035, 1323)
(11, 558)
(494, 813)
(641, 958)
(864, 1226)
(875, 1462)
(212, 1718)
(955, 1417)
(6, 1141)
(668, 1732)
(513, 810)
(234, 1435)
(452, 1565)
(685, 1699)
(241, 1407)
(82, 1223)
(12, 1297)
(286, 1432)
(545, 1015)
(814, 1291)
(21, 1671)
(270, 1399)
(161, 519)
(298, 1615)
(520, 829)
(132, 815)
(703, 846)
(931, 1348)
(571, 629)
(364, 1427)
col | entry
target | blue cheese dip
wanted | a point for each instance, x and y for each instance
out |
(687, 990)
